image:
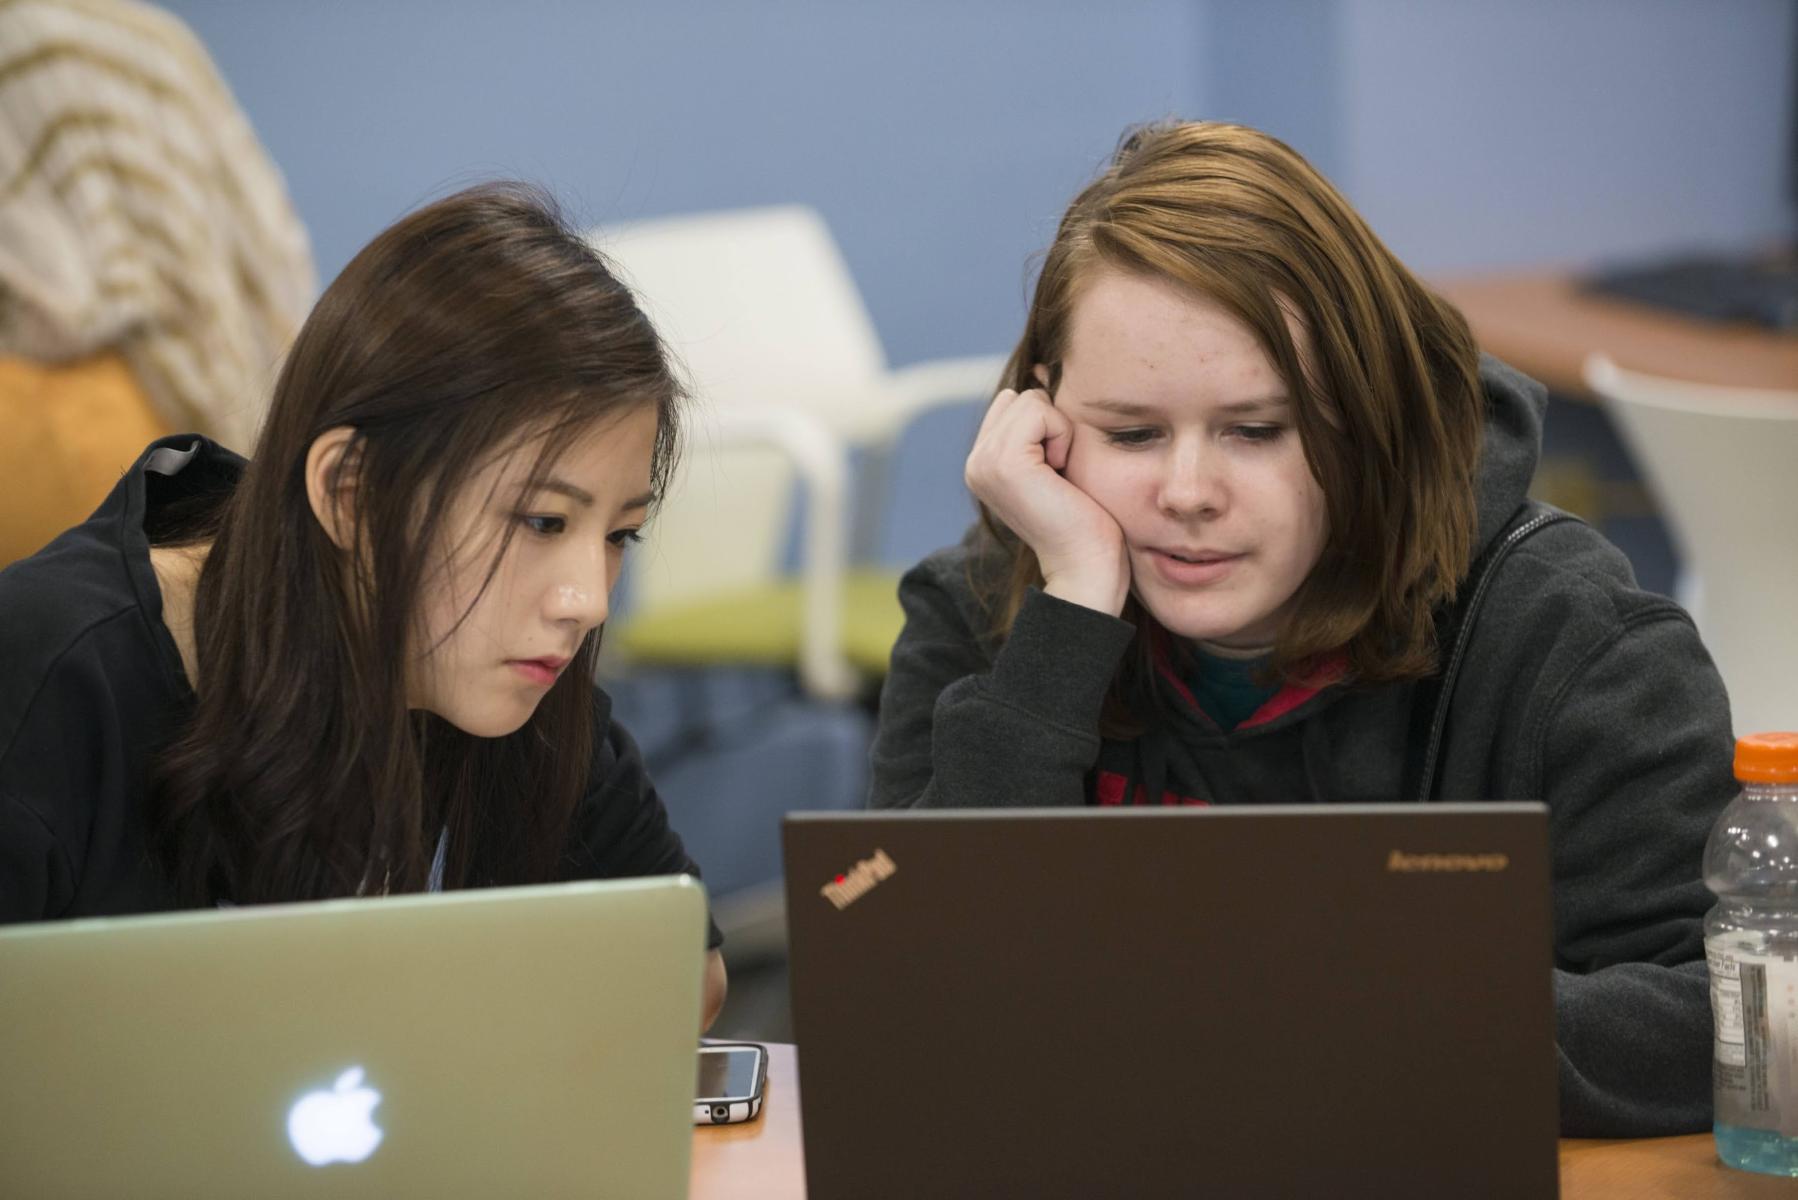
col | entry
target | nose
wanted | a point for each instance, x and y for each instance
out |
(1191, 482)
(580, 597)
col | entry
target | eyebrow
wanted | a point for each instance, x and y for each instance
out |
(563, 488)
(1124, 408)
(582, 496)
(1258, 404)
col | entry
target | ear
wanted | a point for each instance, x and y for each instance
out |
(331, 483)
(1041, 372)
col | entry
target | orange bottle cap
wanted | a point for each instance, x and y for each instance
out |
(1767, 758)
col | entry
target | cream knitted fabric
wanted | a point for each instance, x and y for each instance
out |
(139, 213)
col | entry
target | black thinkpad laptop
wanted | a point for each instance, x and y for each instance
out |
(1232, 1002)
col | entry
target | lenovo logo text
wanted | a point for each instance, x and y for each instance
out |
(1400, 861)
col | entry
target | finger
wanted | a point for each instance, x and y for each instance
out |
(994, 428)
(1059, 439)
(995, 411)
(1025, 422)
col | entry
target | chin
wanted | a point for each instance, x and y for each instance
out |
(488, 724)
(1198, 622)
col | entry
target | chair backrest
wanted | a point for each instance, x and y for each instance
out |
(761, 308)
(1723, 463)
(764, 317)
(790, 378)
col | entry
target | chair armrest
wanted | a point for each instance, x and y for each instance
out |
(821, 461)
(940, 381)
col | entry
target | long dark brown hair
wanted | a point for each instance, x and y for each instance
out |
(476, 326)
(1387, 402)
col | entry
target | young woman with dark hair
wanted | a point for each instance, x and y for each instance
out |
(361, 661)
(1244, 484)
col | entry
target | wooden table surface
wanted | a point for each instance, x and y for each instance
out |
(763, 1159)
(1544, 325)
(759, 1158)
(1676, 1168)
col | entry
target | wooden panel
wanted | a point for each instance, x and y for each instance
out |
(1543, 325)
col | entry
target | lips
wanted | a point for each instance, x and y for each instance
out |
(1194, 556)
(1189, 567)
(540, 671)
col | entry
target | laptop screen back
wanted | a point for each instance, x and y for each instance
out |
(522, 1041)
(1236, 1002)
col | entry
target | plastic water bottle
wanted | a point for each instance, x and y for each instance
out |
(1751, 943)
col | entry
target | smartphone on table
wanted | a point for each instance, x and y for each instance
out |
(732, 1076)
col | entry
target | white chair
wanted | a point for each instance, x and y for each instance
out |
(1723, 464)
(790, 376)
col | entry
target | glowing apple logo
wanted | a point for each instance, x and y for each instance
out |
(338, 1125)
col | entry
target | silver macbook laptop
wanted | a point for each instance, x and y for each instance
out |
(511, 1042)
(1267, 1001)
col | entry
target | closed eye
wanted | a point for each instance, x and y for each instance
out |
(1130, 437)
(542, 524)
(1258, 433)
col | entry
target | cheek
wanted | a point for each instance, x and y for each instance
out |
(462, 620)
(436, 621)
(443, 597)
(1095, 470)
(1079, 460)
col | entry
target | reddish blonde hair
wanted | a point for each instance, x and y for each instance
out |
(1386, 394)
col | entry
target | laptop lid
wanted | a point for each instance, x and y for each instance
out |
(1267, 1001)
(515, 1041)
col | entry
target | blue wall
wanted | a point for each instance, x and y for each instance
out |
(1568, 130)
(941, 139)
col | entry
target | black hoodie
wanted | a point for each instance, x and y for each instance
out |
(1577, 688)
(92, 691)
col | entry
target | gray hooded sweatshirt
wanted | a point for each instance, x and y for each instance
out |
(1577, 689)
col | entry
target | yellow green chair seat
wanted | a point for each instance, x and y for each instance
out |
(760, 626)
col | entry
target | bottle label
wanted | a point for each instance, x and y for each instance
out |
(1754, 1001)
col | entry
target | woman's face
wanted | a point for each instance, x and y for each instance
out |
(491, 653)
(1184, 433)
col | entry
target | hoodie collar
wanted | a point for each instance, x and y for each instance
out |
(1512, 445)
(1291, 696)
